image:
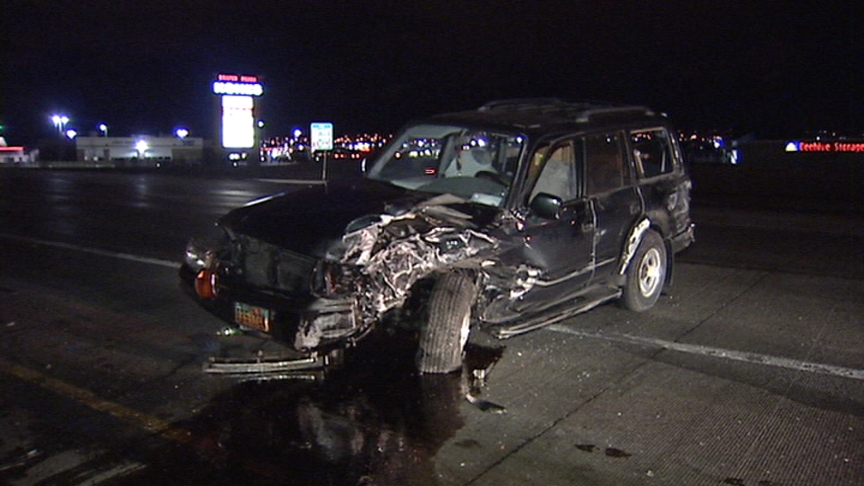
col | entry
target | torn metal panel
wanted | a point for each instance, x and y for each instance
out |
(385, 256)
(395, 252)
(327, 320)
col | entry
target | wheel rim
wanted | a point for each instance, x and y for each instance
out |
(650, 272)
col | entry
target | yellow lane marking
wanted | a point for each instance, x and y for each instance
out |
(147, 422)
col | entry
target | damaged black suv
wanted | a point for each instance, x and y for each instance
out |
(504, 219)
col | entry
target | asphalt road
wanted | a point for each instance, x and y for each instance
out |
(750, 371)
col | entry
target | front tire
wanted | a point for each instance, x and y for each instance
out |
(645, 274)
(447, 325)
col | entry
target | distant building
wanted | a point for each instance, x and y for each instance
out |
(142, 149)
(15, 154)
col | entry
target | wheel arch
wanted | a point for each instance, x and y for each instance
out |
(634, 239)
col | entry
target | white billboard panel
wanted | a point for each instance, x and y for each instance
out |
(238, 122)
(322, 136)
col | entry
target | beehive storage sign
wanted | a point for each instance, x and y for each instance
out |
(238, 95)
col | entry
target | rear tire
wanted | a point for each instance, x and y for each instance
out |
(448, 322)
(646, 274)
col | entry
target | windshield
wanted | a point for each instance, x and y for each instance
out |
(477, 165)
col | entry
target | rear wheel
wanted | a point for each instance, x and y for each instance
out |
(646, 274)
(447, 325)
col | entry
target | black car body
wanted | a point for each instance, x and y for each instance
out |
(511, 217)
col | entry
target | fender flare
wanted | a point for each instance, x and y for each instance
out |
(633, 241)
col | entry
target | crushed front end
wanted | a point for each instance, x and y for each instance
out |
(334, 300)
(259, 287)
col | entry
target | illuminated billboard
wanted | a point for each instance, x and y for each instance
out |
(842, 146)
(237, 96)
(233, 84)
(238, 122)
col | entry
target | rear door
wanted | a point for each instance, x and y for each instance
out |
(610, 189)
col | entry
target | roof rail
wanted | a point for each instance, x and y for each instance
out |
(522, 103)
(577, 112)
(586, 115)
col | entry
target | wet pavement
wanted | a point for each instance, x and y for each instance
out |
(750, 371)
(609, 398)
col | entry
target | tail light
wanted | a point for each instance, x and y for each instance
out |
(205, 284)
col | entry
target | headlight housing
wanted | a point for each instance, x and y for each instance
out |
(198, 255)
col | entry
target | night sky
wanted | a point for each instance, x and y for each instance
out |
(768, 68)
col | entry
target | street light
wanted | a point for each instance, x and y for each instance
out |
(142, 147)
(181, 133)
(104, 129)
(60, 122)
(71, 134)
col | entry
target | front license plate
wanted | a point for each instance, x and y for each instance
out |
(252, 316)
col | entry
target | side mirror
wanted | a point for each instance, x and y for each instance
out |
(546, 206)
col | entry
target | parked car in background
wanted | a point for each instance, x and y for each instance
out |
(502, 219)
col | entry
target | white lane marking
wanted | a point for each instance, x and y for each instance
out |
(94, 251)
(292, 181)
(119, 471)
(755, 358)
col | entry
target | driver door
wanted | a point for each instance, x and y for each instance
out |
(562, 248)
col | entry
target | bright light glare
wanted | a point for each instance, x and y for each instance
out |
(181, 133)
(71, 134)
(60, 122)
(141, 146)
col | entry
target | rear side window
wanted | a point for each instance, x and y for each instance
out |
(604, 163)
(652, 151)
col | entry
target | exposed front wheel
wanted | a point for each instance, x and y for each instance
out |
(645, 274)
(447, 325)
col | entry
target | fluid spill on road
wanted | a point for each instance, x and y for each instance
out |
(609, 451)
(374, 421)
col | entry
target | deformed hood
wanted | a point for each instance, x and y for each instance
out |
(313, 221)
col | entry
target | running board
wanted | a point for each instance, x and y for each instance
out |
(593, 299)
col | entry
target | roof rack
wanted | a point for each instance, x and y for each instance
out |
(614, 110)
(577, 112)
(522, 103)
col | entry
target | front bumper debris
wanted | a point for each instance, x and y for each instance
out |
(269, 368)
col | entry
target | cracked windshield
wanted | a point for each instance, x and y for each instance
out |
(475, 165)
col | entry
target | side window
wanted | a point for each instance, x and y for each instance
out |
(652, 152)
(558, 173)
(604, 163)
